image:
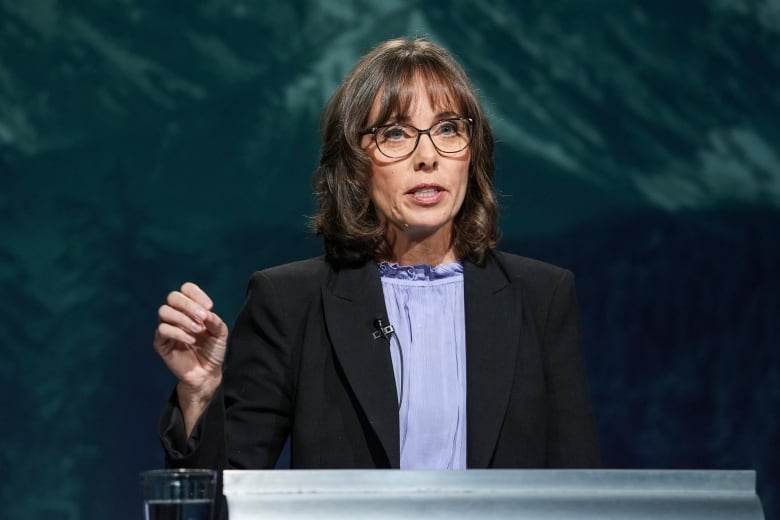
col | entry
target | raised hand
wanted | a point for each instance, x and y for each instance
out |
(191, 340)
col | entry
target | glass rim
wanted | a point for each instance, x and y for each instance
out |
(179, 472)
(374, 132)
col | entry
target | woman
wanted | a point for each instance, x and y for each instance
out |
(412, 343)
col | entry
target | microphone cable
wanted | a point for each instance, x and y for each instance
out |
(388, 332)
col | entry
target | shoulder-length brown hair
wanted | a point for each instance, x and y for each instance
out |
(346, 218)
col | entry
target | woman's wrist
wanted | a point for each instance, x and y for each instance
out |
(197, 396)
(194, 401)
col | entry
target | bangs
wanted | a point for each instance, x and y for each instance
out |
(444, 91)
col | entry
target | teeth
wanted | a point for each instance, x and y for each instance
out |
(425, 192)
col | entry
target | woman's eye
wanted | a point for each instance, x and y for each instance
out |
(447, 128)
(394, 133)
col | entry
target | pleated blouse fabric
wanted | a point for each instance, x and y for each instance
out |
(425, 305)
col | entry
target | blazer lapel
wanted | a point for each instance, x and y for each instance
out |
(493, 315)
(352, 302)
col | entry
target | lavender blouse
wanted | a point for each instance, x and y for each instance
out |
(425, 306)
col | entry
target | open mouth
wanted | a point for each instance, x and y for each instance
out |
(426, 194)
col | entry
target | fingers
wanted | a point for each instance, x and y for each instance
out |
(189, 310)
(183, 303)
(166, 332)
(170, 315)
(197, 294)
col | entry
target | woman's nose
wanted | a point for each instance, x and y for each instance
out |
(426, 155)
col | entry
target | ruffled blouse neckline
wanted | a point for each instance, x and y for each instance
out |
(419, 272)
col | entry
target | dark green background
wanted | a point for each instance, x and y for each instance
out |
(144, 143)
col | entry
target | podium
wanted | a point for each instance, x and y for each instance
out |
(491, 494)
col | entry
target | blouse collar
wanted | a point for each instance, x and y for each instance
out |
(419, 272)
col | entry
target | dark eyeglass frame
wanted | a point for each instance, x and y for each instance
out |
(469, 123)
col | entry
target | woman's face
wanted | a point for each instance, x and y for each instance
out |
(418, 196)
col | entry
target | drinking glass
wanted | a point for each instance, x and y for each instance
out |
(178, 494)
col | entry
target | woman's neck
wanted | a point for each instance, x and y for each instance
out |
(431, 250)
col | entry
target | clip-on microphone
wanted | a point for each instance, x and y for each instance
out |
(382, 330)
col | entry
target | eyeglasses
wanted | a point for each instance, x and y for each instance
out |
(397, 141)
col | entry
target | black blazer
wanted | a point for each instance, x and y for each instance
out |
(302, 360)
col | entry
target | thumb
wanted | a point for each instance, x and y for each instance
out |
(215, 325)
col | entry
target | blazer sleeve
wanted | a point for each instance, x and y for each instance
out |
(205, 447)
(247, 422)
(572, 438)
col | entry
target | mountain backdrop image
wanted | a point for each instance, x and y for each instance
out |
(146, 143)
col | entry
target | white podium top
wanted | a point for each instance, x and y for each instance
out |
(492, 494)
